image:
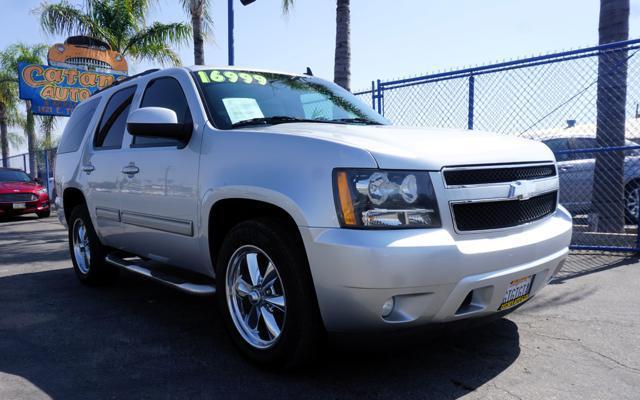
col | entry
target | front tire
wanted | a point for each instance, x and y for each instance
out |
(266, 296)
(44, 214)
(87, 252)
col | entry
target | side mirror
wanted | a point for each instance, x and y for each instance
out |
(37, 180)
(158, 122)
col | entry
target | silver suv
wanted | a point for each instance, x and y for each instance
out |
(305, 210)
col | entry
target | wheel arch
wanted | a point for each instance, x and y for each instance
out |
(226, 213)
(72, 197)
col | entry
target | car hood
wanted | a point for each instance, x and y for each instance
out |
(17, 187)
(422, 148)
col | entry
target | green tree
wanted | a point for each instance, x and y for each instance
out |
(608, 179)
(120, 23)
(47, 125)
(342, 57)
(8, 96)
(9, 60)
(201, 24)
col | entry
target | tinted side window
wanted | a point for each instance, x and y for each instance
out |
(77, 126)
(166, 93)
(581, 144)
(114, 120)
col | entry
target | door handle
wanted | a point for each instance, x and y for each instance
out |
(130, 170)
(88, 168)
(565, 168)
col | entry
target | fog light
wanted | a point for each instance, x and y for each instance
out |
(387, 307)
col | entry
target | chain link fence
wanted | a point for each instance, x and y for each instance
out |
(584, 104)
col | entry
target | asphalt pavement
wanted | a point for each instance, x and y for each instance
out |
(578, 339)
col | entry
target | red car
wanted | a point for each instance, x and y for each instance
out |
(20, 194)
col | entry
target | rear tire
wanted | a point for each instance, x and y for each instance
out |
(270, 314)
(87, 252)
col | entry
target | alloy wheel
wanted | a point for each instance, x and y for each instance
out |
(633, 202)
(81, 249)
(255, 296)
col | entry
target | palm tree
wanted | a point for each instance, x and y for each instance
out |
(8, 96)
(201, 22)
(9, 59)
(608, 179)
(120, 23)
(48, 125)
(342, 58)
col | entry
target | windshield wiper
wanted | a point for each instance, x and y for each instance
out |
(356, 120)
(276, 119)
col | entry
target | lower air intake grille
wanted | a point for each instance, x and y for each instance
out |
(484, 176)
(503, 213)
(13, 197)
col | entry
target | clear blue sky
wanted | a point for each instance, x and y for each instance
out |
(390, 39)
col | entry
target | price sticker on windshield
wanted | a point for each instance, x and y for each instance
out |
(217, 76)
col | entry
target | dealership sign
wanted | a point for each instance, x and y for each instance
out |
(57, 90)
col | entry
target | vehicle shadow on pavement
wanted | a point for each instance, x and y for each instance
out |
(137, 339)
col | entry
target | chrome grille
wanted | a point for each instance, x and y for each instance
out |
(485, 176)
(87, 62)
(484, 215)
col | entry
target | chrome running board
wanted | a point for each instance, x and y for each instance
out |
(137, 266)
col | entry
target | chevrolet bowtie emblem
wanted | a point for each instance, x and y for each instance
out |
(521, 190)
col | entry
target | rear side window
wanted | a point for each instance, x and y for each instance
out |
(166, 93)
(77, 126)
(114, 119)
(583, 144)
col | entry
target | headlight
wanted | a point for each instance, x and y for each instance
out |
(41, 191)
(385, 199)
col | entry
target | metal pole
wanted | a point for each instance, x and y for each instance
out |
(373, 94)
(24, 162)
(472, 80)
(379, 97)
(47, 171)
(230, 33)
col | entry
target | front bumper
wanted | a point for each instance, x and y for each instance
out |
(6, 209)
(429, 273)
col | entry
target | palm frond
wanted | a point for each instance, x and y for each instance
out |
(287, 5)
(15, 139)
(157, 52)
(47, 125)
(65, 19)
(155, 40)
(20, 52)
(15, 118)
(8, 88)
(192, 7)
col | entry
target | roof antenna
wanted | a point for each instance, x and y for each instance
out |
(309, 72)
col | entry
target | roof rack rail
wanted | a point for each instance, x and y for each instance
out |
(128, 78)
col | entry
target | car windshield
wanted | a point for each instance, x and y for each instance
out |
(13, 176)
(244, 98)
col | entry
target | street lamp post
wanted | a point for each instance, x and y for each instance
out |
(230, 19)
